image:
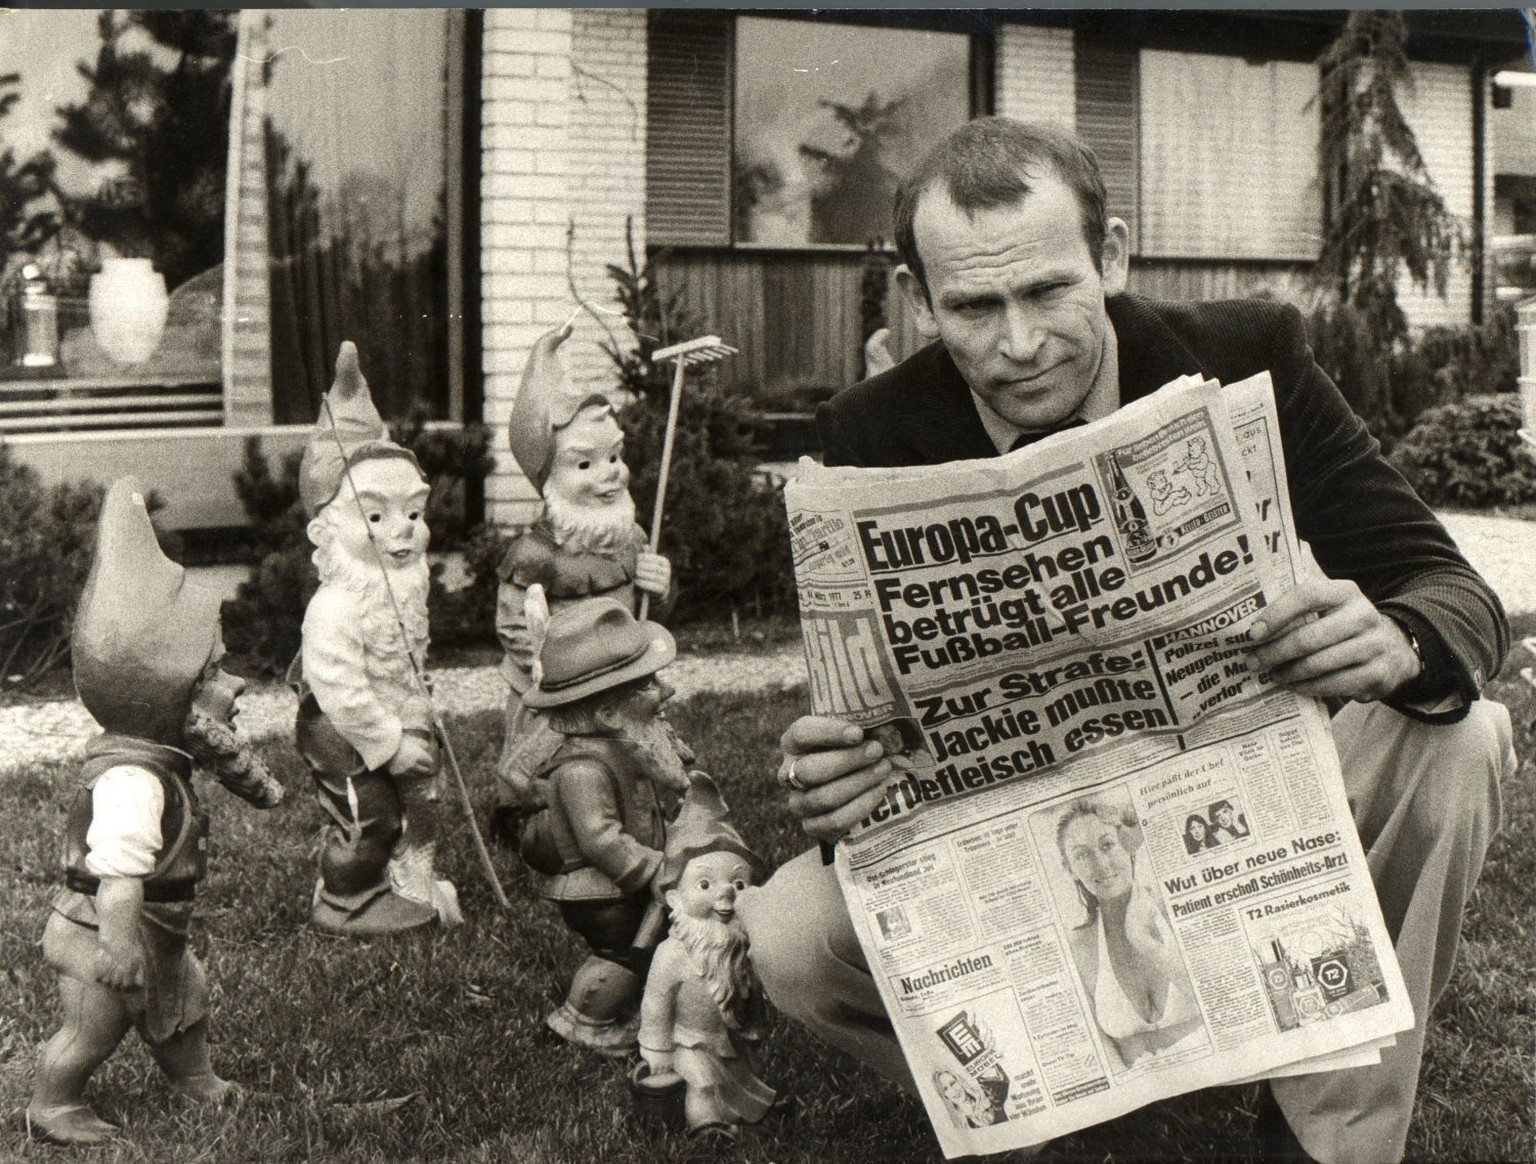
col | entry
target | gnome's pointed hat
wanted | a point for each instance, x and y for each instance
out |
(143, 634)
(349, 430)
(702, 826)
(546, 401)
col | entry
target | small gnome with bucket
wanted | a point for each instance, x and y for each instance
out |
(146, 649)
(702, 1015)
(365, 725)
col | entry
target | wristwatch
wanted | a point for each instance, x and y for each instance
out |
(1413, 643)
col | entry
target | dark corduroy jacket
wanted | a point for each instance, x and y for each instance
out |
(1362, 520)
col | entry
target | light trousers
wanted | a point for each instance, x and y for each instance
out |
(1425, 799)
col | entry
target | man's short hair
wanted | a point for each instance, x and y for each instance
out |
(990, 162)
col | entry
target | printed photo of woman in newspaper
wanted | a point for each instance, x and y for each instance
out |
(972, 1103)
(1130, 966)
(1198, 835)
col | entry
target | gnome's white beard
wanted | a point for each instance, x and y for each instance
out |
(373, 584)
(658, 746)
(606, 530)
(718, 950)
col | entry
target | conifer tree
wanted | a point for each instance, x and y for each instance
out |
(1384, 216)
(24, 224)
(159, 116)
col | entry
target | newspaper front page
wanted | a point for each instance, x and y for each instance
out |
(1118, 864)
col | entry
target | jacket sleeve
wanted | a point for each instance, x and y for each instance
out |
(1365, 523)
(586, 793)
(836, 449)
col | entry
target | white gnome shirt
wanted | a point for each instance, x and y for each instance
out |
(358, 668)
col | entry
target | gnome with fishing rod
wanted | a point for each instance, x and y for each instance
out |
(366, 725)
(146, 649)
(584, 544)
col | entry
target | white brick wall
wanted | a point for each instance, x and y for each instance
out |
(563, 151)
(1035, 75)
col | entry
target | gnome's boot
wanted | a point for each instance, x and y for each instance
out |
(354, 896)
(412, 866)
(184, 1059)
(57, 1110)
(600, 1010)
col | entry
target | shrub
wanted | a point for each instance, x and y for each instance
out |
(265, 619)
(724, 528)
(1439, 366)
(47, 536)
(1469, 453)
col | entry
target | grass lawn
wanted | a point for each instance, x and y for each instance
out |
(432, 1048)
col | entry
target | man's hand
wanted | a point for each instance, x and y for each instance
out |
(414, 757)
(1325, 638)
(119, 965)
(844, 775)
(653, 573)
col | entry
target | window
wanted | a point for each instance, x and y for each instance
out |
(1228, 158)
(791, 133)
(196, 207)
(828, 119)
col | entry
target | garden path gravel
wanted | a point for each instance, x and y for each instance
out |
(1503, 549)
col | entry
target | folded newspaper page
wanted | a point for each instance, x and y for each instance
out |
(1118, 863)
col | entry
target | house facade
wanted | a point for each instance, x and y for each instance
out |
(748, 156)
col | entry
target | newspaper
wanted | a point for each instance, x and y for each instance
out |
(1054, 644)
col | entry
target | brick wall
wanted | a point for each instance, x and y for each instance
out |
(1034, 74)
(563, 154)
(247, 338)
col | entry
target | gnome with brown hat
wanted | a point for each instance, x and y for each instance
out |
(612, 783)
(584, 544)
(146, 651)
(702, 1015)
(365, 726)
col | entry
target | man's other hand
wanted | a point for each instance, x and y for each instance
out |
(1325, 638)
(841, 776)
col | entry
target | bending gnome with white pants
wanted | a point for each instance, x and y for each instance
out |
(146, 650)
(365, 725)
(702, 1013)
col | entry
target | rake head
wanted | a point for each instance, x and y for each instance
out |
(704, 350)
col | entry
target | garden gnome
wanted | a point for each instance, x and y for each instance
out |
(598, 841)
(146, 651)
(585, 544)
(702, 1014)
(365, 725)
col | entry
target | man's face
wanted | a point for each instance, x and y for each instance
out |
(393, 499)
(1016, 298)
(1224, 816)
(709, 885)
(588, 470)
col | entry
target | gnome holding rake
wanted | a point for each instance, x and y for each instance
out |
(586, 544)
(365, 724)
(702, 1013)
(146, 651)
